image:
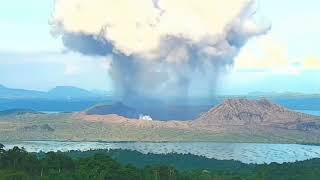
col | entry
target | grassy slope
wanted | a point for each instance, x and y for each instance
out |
(66, 128)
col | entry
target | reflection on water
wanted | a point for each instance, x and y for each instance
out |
(244, 152)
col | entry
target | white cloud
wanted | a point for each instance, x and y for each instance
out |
(73, 63)
(268, 55)
(76, 63)
(138, 27)
(159, 45)
(312, 63)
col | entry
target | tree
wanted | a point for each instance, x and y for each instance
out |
(2, 151)
(57, 162)
(15, 156)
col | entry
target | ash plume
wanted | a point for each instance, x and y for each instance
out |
(159, 47)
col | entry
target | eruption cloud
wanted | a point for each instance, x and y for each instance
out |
(159, 47)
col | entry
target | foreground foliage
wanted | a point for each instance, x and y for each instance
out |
(17, 164)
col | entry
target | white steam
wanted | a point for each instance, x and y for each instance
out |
(145, 117)
(158, 46)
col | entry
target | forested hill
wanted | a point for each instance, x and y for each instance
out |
(18, 164)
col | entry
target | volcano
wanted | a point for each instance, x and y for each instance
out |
(234, 120)
(244, 112)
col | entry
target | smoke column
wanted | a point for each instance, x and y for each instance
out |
(158, 46)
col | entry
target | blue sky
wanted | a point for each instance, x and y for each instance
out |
(31, 58)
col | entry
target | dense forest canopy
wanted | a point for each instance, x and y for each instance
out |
(18, 164)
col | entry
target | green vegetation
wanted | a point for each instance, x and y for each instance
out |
(17, 164)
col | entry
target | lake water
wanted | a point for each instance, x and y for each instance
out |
(316, 113)
(244, 152)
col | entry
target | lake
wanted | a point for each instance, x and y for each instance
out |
(244, 152)
(315, 113)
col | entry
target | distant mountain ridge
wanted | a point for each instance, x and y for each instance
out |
(15, 112)
(19, 93)
(71, 99)
(67, 92)
(59, 92)
(116, 108)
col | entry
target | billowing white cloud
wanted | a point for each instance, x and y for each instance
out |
(136, 27)
(157, 45)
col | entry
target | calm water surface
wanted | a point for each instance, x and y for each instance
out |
(244, 152)
(316, 113)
